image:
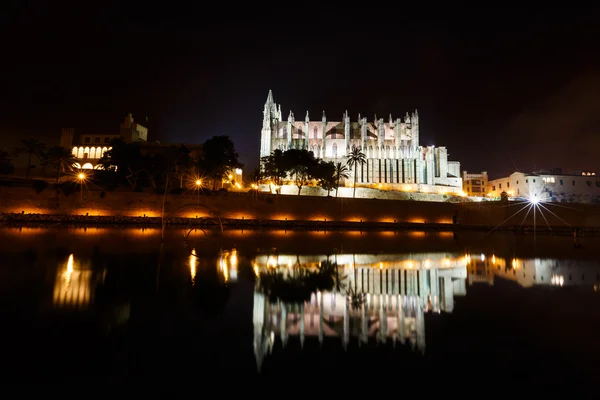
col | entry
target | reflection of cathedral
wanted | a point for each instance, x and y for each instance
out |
(398, 288)
(532, 272)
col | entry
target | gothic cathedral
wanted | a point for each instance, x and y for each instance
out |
(394, 156)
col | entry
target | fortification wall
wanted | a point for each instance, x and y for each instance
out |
(290, 207)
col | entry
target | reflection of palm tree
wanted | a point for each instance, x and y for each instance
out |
(32, 147)
(356, 158)
(60, 158)
(341, 172)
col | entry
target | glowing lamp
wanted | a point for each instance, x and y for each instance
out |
(534, 199)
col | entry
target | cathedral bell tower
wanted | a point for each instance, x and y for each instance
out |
(270, 115)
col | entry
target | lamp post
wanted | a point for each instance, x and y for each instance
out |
(81, 178)
(198, 186)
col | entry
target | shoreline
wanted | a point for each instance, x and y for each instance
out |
(233, 223)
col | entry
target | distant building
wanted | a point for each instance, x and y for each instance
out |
(549, 186)
(395, 158)
(475, 184)
(89, 148)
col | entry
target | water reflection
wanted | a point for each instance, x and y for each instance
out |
(215, 297)
(73, 284)
(535, 271)
(383, 296)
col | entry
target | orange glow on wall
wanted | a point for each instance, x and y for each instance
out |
(416, 220)
(319, 218)
(241, 216)
(444, 221)
(283, 217)
(353, 219)
(196, 214)
(142, 213)
(30, 210)
(90, 212)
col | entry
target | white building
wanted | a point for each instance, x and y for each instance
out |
(394, 156)
(549, 186)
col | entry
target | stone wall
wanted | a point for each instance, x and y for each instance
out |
(282, 207)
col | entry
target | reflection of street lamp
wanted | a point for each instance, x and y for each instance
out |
(81, 178)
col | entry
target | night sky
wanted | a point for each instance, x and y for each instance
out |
(504, 90)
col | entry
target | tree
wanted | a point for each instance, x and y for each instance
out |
(255, 179)
(341, 172)
(356, 158)
(60, 159)
(125, 160)
(325, 174)
(300, 164)
(31, 147)
(274, 167)
(6, 166)
(219, 157)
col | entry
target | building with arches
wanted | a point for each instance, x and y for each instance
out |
(89, 148)
(395, 157)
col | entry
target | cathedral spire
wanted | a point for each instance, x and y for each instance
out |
(270, 97)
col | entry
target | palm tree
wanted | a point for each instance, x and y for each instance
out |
(356, 158)
(60, 158)
(341, 172)
(32, 147)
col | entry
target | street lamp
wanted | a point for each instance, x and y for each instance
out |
(198, 186)
(81, 177)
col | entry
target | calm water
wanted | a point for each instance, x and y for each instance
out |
(469, 309)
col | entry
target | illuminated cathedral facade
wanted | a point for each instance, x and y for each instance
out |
(392, 149)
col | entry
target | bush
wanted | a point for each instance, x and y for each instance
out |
(39, 186)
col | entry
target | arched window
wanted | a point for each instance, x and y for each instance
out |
(80, 152)
(87, 166)
(74, 151)
(104, 150)
(284, 133)
(334, 150)
(93, 152)
(315, 132)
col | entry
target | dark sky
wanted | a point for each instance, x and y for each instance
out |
(503, 89)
